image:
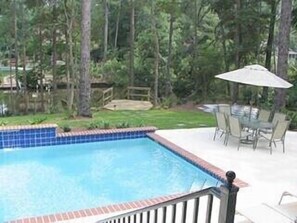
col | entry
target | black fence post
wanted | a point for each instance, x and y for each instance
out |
(228, 199)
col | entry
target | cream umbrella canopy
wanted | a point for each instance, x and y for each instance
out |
(256, 75)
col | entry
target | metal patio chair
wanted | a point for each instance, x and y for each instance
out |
(236, 131)
(264, 115)
(222, 126)
(224, 108)
(278, 117)
(278, 134)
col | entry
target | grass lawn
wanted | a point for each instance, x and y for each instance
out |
(162, 119)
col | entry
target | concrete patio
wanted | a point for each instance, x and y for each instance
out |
(268, 175)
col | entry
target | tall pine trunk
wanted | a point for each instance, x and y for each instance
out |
(70, 71)
(156, 53)
(24, 59)
(41, 71)
(84, 108)
(235, 86)
(283, 50)
(54, 59)
(117, 25)
(132, 37)
(269, 46)
(105, 29)
(168, 85)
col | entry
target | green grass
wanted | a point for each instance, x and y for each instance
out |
(162, 119)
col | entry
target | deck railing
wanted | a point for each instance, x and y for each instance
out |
(139, 93)
(193, 207)
(107, 96)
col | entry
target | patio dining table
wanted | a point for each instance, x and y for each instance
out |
(255, 125)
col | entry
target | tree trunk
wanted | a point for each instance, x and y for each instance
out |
(41, 70)
(117, 25)
(54, 60)
(11, 101)
(84, 83)
(26, 99)
(226, 61)
(168, 85)
(156, 53)
(132, 37)
(16, 50)
(269, 46)
(70, 73)
(235, 87)
(105, 29)
(25, 90)
(283, 50)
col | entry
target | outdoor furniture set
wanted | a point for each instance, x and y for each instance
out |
(249, 129)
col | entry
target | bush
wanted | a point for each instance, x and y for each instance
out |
(293, 118)
(93, 125)
(99, 125)
(122, 125)
(3, 123)
(66, 128)
(105, 125)
(37, 121)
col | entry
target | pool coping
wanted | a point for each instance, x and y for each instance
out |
(97, 211)
(195, 160)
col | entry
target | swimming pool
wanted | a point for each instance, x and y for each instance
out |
(54, 179)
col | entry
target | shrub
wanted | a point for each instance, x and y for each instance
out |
(122, 125)
(293, 118)
(93, 125)
(3, 123)
(105, 125)
(66, 128)
(36, 121)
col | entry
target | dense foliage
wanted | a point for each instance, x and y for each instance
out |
(175, 47)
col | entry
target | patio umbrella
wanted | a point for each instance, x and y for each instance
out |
(256, 75)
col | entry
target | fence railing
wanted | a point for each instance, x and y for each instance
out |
(139, 93)
(193, 207)
(107, 96)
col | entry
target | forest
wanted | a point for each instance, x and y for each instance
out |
(174, 47)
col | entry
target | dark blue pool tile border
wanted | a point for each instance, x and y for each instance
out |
(45, 135)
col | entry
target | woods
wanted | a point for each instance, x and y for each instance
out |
(174, 47)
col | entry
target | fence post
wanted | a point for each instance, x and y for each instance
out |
(228, 199)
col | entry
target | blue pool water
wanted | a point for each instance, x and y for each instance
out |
(45, 180)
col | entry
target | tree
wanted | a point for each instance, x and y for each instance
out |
(131, 40)
(170, 8)
(69, 13)
(106, 12)
(156, 52)
(283, 50)
(117, 24)
(84, 108)
(269, 46)
(54, 55)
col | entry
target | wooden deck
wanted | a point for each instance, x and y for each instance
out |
(128, 105)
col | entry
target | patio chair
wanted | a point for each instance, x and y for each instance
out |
(224, 108)
(278, 134)
(264, 115)
(263, 213)
(288, 209)
(236, 131)
(222, 126)
(278, 117)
